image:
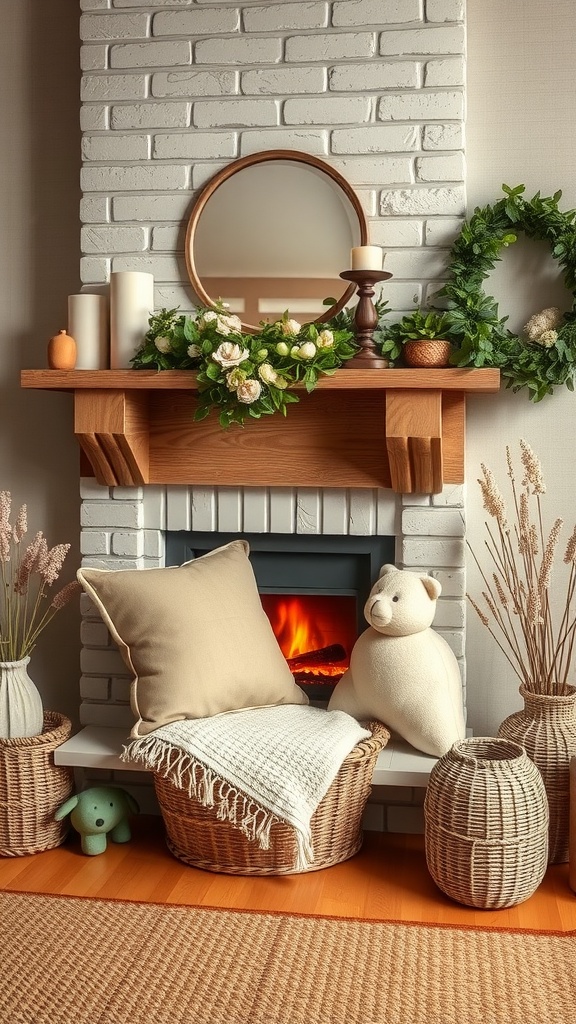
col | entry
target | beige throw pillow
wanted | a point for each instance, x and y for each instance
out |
(195, 636)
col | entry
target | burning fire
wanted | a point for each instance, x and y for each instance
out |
(296, 632)
(315, 633)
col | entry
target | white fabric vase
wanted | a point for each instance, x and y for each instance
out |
(21, 709)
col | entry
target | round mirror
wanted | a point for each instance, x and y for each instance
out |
(271, 232)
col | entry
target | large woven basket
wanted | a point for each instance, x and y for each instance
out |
(546, 728)
(486, 824)
(31, 789)
(196, 836)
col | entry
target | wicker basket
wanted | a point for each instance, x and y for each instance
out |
(31, 788)
(197, 837)
(433, 352)
(486, 824)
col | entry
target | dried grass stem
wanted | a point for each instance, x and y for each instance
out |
(517, 610)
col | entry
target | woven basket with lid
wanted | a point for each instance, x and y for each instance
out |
(196, 836)
(486, 824)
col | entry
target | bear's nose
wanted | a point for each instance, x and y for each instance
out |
(99, 822)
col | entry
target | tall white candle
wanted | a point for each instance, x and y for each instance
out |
(131, 303)
(367, 257)
(88, 325)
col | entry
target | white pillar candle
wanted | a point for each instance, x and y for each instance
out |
(88, 325)
(367, 257)
(131, 303)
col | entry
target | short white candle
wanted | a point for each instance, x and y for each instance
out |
(367, 257)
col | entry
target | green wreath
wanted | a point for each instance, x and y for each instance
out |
(545, 355)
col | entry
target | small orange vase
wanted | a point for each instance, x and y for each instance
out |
(62, 352)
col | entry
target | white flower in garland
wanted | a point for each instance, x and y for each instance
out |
(307, 350)
(290, 328)
(208, 317)
(233, 322)
(269, 375)
(229, 354)
(235, 378)
(325, 339)
(249, 391)
(194, 351)
(163, 344)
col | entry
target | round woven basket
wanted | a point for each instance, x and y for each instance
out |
(196, 836)
(486, 824)
(433, 352)
(31, 789)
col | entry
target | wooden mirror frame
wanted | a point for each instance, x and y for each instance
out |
(249, 161)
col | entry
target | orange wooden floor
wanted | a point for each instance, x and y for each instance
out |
(387, 880)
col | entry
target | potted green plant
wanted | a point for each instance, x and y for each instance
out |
(421, 338)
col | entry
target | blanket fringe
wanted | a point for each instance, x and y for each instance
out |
(187, 773)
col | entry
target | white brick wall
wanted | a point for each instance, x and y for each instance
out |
(171, 86)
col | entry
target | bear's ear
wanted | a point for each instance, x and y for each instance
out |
(432, 587)
(386, 569)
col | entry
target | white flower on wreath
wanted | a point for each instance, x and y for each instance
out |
(547, 339)
(194, 351)
(163, 344)
(546, 320)
(290, 328)
(229, 354)
(325, 339)
(235, 378)
(249, 391)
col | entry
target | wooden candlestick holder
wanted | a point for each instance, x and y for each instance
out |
(366, 319)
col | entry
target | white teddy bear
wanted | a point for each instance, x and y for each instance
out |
(402, 672)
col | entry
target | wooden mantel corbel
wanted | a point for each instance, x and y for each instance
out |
(399, 428)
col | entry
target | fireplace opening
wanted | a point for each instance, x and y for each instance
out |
(313, 589)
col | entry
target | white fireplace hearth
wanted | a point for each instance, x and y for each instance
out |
(126, 528)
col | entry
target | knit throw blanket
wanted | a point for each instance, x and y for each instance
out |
(257, 766)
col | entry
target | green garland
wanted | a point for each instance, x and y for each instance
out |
(545, 356)
(245, 375)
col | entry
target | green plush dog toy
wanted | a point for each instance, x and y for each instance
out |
(98, 811)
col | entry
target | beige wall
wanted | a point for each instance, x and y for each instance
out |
(520, 129)
(39, 260)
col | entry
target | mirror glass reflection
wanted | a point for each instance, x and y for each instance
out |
(273, 233)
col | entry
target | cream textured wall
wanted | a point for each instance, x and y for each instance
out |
(39, 259)
(521, 125)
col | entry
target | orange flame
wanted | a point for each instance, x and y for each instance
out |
(295, 631)
(306, 623)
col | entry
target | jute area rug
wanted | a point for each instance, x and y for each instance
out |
(67, 960)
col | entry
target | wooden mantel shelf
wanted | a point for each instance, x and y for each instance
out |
(398, 428)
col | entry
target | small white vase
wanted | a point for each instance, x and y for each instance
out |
(21, 709)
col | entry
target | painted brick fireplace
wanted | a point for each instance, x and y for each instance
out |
(172, 91)
(126, 528)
